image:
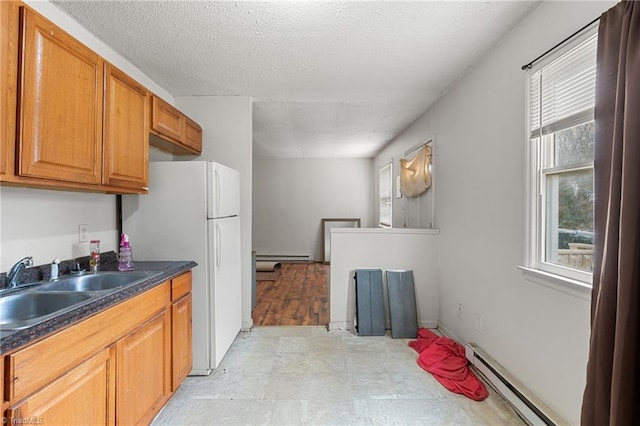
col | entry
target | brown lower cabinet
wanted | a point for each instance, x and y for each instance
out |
(116, 367)
(144, 371)
(182, 340)
(90, 385)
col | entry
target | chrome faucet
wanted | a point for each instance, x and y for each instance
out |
(14, 273)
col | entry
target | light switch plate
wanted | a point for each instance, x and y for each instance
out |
(83, 233)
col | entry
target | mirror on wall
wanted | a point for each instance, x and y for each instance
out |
(327, 224)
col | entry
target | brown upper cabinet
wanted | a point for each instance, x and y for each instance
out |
(70, 120)
(173, 131)
(59, 104)
(166, 120)
(192, 135)
(8, 82)
(126, 128)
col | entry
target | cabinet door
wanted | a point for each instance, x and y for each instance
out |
(2, 379)
(8, 81)
(59, 104)
(126, 131)
(144, 371)
(166, 119)
(192, 135)
(182, 340)
(82, 396)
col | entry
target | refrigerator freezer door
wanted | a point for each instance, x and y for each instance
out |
(224, 239)
(224, 191)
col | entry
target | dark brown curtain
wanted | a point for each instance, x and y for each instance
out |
(612, 393)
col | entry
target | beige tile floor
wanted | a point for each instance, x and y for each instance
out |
(311, 376)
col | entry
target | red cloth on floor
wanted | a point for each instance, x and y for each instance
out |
(425, 338)
(445, 360)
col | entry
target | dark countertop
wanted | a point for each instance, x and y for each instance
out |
(164, 270)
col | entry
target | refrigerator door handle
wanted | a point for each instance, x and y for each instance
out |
(217, 194)
(219, 246)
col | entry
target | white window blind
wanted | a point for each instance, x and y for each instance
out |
(562, 93)
(560, 162)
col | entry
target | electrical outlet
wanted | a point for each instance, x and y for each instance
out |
(83, 233)
(460, 310)
(479, 323)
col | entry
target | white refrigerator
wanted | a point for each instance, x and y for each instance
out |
(191, 213)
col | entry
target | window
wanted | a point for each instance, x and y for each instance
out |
(385, 199)
(560, 162)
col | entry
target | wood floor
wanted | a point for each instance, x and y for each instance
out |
(299, 295)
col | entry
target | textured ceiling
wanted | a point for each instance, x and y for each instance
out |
(328, 78)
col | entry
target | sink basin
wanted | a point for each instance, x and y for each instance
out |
(26, 309)
(94, 282)
(41, 302)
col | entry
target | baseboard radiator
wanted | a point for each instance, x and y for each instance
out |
(286, 258)
(530, 408)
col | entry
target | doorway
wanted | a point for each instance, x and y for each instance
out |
(293, 294)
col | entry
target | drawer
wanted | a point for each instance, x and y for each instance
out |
(180, 286)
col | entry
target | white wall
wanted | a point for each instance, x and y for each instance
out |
(43, 223)
(291, 196)
(228, 139)
(378, 248)
(540, 334)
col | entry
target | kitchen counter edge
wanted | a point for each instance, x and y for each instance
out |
(165, 270)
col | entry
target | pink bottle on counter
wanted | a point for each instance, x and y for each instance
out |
(125, 259)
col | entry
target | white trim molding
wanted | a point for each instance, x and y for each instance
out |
(565, 285)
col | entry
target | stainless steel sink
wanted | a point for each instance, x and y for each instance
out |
(26, 309)
(100, 281)
(35, 303)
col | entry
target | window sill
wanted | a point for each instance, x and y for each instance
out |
(556, 282)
